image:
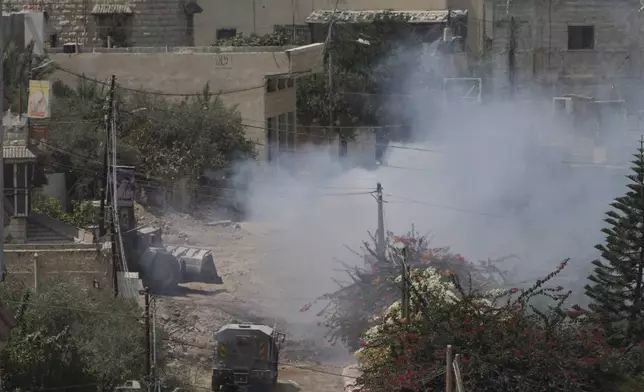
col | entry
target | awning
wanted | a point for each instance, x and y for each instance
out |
(111, 9)
(18, 152)
(192, 8)
(324, 16)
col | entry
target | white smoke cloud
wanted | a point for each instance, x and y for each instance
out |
(499, 185)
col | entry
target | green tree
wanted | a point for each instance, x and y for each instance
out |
(17, 66)
(368, 61)
(187, 137)
(277, 38)
(67, 335)
(617, 282)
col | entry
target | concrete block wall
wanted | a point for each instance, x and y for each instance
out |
(82, 265)
(542, 54)
(153, 22)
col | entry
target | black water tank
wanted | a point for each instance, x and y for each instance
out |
(70, 48)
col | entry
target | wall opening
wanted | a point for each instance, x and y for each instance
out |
(581, 37)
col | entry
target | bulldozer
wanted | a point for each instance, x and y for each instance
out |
(163, 267)
(246, 358)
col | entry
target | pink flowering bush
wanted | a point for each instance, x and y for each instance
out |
(505, 344)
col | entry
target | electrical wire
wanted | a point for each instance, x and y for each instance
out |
(265, 128)
(156, 93)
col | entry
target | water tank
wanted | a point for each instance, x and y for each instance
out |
(159, 269)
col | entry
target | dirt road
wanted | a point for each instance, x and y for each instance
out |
(191, 315)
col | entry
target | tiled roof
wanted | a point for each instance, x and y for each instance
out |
(18, 152)
(103, 9)
(324, 16)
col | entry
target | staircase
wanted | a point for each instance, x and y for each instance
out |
(39, 234)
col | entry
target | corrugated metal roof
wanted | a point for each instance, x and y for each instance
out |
(18, 152)
(103, 9)
(324, 16)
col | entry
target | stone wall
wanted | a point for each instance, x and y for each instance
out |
(152, 23)
(542, 54)
(81, 264)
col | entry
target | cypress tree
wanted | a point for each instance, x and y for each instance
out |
(616, 285)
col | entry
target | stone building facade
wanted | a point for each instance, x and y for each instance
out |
(590, 47)
(264, 16)
(127, 23)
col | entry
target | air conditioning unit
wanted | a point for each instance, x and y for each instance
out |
(562, 105)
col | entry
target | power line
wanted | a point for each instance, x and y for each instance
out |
(426, 150)
(148, 92)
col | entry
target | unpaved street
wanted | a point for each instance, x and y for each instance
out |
(191, 315)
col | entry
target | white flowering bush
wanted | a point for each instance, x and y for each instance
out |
(359, 305)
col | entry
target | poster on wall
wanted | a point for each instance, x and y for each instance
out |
(38, 132)
(125, 186)
(39, 99)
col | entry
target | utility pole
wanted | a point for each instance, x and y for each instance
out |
(380, 244)
(512, 47)
(2, 207)
(157, 386)
(449, 375)
(109, 105)
(148, 340)
(404, 272)
(329, 70)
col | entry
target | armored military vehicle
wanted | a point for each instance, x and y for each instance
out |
(246, 358)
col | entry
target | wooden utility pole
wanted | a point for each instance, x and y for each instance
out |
(148, 338)
(380, 244)
(404, 272)
(2, 198)
(448, 369)
(109, 105)
(512, 47)
(329, 70)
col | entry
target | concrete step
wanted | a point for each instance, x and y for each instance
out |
(40, 234)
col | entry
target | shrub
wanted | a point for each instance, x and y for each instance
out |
(505, 343)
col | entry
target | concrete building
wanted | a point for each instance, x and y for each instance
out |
(259, 82)
(126, 23)
(263, 16)
(592, 48)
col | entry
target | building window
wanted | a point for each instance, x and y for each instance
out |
(290, 83)
(114, 29)
(295, 34)
(282, 126)
(281, 84)
(271, 85)
(291, 130)
(53, 40)
(16, 187)
(226, 33)
(581, 37)
(270, 138)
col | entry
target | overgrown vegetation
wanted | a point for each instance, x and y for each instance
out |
(83, 212)
(70, 336)
(164, 139)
